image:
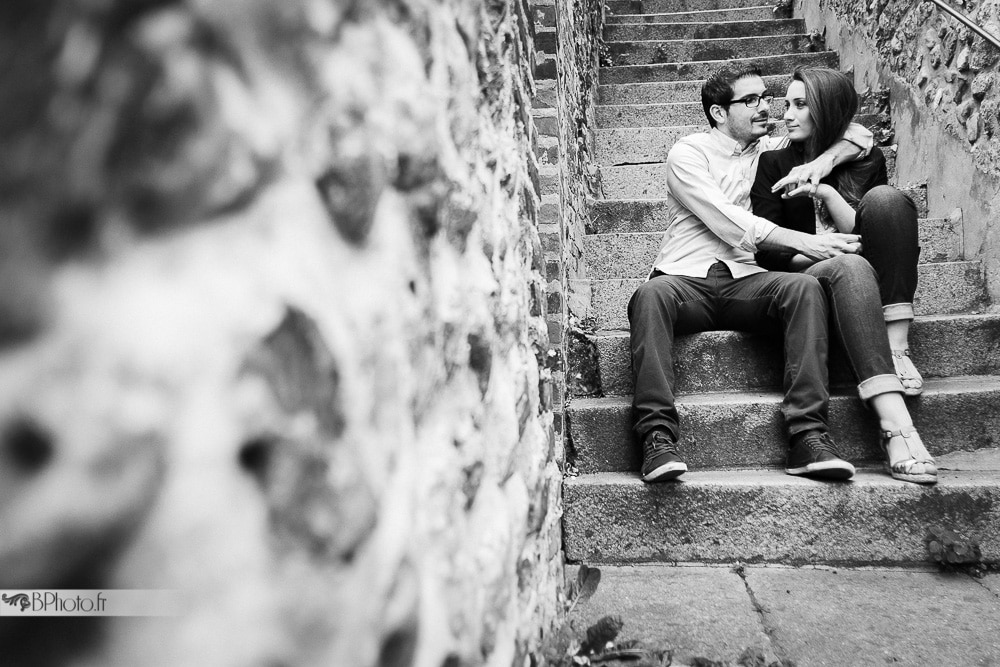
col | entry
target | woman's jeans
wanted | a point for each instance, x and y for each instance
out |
(865, 291)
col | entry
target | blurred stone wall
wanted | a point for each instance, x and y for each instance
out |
(944, 82)
(273, 331)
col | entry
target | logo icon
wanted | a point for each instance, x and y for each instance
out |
(21, 599)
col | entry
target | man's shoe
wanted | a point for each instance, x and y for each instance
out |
(815, 454)
(660, 461)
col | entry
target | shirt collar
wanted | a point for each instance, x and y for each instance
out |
(730, 145)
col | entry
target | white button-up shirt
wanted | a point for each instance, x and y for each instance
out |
(708, 203)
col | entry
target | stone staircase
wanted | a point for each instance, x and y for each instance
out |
(736, 503)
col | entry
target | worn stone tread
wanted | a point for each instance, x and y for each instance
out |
(756, 12)
(662, 115)
(657, 6)
(744, 429)
(630, 254)
(649, 52)
(768, 516)
(732, 360)
(944, 288)
(635, 143)
(701, 30)
(779, 64)
(715, 612)
(662, 92)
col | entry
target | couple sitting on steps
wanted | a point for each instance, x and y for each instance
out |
(829, 245)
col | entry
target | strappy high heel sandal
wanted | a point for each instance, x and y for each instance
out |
(913, 384)
(912, 469)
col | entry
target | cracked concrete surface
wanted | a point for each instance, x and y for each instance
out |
(809, 616)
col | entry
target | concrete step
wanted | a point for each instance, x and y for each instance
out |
(754, 13)
(941, 346)
(725, 48)
(667, 115)
(745, 429)
(711, 614)
(645, 174)
(630, 32)
(639, 134)
(608, 216)
(616, 7)
(767, 516)
(666, 92)
(629, 255)
(679, 71)
(945, 287)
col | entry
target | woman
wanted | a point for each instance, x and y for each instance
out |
(871, 294)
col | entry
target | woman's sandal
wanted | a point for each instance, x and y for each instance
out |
(906, 469)
(913, 384)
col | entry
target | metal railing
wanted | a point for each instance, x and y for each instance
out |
(972, 25)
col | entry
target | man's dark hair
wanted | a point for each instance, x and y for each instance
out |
(718, 89)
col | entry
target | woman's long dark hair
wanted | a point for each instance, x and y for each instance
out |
(832, 103)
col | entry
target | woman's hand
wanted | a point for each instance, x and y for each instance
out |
(821, 191)
(802, 177)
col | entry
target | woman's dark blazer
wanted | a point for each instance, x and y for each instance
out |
(798, 213)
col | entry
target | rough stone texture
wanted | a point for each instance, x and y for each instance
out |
(806, 615)
(273, 331)
(659, 6)
(746, 430)
(701, 612)
(701, 69)
(730, 360)
(768, 516)
(942, 78)
(624, 32)
(652, 51)
(879, 617)
(665, 92)
(946, 287)
(755, 13)
(663, 115)
(575, 179)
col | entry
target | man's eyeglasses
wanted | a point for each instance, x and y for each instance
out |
(753, 101)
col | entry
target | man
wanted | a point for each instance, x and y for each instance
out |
(705, 277)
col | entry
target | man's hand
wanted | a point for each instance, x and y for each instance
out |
(802, 180)
(825, 246)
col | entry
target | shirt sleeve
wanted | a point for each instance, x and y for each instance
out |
(691, 183)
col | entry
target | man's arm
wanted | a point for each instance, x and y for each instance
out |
(692, 184)
(856, 144)
(813, 246)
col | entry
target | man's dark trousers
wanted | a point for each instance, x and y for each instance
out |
(772, 301)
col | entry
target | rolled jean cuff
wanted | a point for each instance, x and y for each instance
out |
(897, 311)
(878, 385)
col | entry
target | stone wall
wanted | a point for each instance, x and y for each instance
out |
(568, 42)
(580, 43)
(273, 331)
(944, 82)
